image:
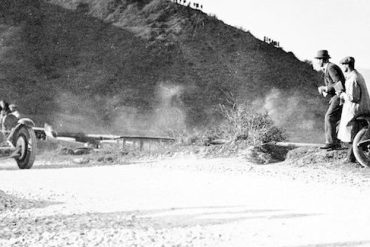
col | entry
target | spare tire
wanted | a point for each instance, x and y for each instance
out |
(362, 153)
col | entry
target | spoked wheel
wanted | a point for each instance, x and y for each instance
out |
(362, 151)
(25, 142)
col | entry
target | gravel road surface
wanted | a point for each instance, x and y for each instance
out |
(169, 203)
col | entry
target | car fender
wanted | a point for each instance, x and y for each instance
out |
(27, 122)
(21, 122)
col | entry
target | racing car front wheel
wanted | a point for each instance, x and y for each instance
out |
(25, 143)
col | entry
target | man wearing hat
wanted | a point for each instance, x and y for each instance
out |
(356, 102)
(332, 76)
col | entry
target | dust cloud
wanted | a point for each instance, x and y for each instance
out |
(167, 114)
(101, 115)
(288, 110)
(293, 112)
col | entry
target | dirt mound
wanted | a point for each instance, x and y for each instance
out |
(265, 154)
(313, 155)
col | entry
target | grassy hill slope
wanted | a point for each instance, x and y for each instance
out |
(130, 66)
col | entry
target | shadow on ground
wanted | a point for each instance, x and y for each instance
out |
(336, 244)
(158, 219)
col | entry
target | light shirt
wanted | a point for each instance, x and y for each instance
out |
(356, 102)
(325, 67)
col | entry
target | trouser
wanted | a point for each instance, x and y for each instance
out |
(355, 129)
(332, 118)
(350, 155)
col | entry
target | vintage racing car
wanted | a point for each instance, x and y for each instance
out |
(18, 140)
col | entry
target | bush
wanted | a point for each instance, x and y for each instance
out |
(242, 123)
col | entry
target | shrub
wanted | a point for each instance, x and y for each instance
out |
(242, 123)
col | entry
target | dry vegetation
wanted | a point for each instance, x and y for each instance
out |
(242, 123)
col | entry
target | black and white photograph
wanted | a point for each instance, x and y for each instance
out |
(184, 123)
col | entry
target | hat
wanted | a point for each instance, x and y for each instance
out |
(347, 60)
(322, 54)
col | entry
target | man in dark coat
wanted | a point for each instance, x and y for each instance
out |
(333, 75)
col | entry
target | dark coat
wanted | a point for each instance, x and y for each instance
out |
(333, 74)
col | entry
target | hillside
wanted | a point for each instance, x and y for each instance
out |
(131, 66)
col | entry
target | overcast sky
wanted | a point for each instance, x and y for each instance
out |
(303, 26)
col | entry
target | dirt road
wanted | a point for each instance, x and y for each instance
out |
(164, 204)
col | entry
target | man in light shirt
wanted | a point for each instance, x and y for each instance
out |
(356, 102)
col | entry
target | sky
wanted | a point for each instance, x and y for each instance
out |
(303, 26)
